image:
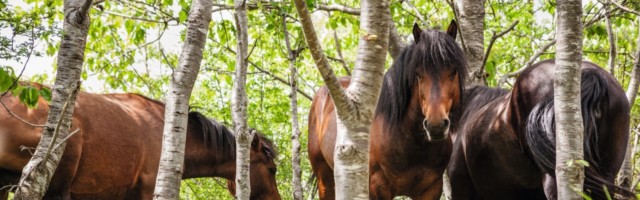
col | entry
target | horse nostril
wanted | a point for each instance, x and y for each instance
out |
(445, 123)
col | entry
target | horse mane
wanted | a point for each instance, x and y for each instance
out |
(219, 136)
(222, 139)
(436, 51)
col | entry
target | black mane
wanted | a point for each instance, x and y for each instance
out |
(222, 139)
(436, 51)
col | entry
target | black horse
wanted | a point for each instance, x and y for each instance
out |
(504, 147)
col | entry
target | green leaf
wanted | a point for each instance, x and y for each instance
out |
(29, 96)
(45, 93)
(5, 80)
(183, 16)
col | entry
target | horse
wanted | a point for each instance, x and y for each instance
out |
(116, 152)
(504, 146)
(409, 143)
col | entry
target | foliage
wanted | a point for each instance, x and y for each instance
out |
(133, 45)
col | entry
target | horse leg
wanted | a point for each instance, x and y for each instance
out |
(550, 187)
(378, 186)
(326, 184)
(432, 193)
(461, 184)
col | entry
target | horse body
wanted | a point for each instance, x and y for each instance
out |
(505, 145)
(409, 147)
(115, 154)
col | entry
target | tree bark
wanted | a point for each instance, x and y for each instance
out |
(177, 103)
(471, 18)
(355, 105)
(239, 105)
(295, 135)
(569, 129)
(37, 174)
(612, 42)
(626, 172)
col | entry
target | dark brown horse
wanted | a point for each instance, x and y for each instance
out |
(409, 144)
(504, 146)
(116, 153)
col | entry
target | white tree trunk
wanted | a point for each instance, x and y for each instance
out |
(37, 174)
(471, 16)
(295, 135)
(239, 105)
(569, 129)
(626, 171)
(177, 102)
(355, 105)
(612, 42)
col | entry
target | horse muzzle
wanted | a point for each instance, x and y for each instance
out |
(436, 132)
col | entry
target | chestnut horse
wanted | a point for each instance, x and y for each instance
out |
(409, 144)
(115, 154)
(505, 144)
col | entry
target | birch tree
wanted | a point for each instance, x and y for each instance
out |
(471, 22)
(569, 129)
(37, 174)
(626, 171)
(295, 133)
(177, 102)
(239, 104)
(354, 105)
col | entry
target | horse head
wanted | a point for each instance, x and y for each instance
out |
(439, 65)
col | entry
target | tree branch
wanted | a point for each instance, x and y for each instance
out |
(624, 8)
(337, 7)
(339, 50)
(335, 88)
(493, 40)
(533, 58)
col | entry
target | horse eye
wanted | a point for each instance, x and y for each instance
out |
(453, 74)
(273, 171)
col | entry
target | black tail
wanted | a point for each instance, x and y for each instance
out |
(540, 135)
(312, 185)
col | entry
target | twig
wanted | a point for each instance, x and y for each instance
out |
(629, 10)
(137, 18)
(62, 113)
(17, 117)
(493, 40)
(339, 50)
(22, 148)
(66, 138)
(533, 58)
(341, 8)
(417, 13)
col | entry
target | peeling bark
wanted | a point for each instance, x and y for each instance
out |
(569, 128)
(239, 105)
(471, 17)
(177, 102)
(37, 174)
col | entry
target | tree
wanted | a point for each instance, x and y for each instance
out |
(569, 129)
(239, 104)
(354, 105)
(295, 133)
(177, 105)
(471, 18)
(38, 172)
(625, 177)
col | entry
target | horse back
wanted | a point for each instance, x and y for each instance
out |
(322, 124)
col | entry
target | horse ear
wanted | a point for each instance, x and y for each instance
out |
(452, 30)
(416, 32)
(255, 143)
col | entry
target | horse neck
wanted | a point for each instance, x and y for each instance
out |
(204, 160)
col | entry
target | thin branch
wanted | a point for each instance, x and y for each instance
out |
(533, 58)
(493, 40)
(341, 8)
(417, 13)
(612, 41)
(66, 138)
(339, 50)
(138, 18)
(624, 8)
(16, 116)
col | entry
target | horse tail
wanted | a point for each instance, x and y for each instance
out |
(540, 135)
(312, 185)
